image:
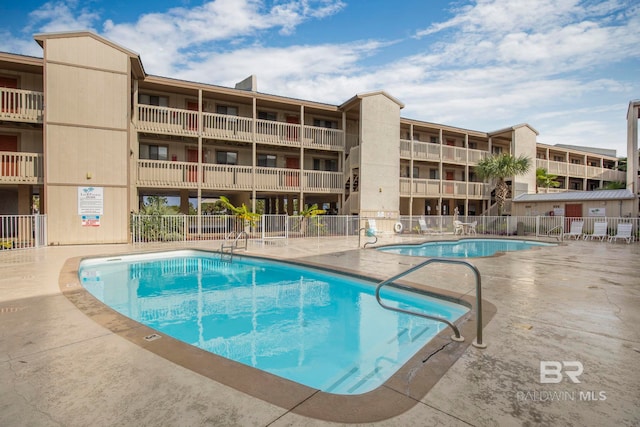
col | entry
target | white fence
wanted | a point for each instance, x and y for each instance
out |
(22, 231)
(150, 228)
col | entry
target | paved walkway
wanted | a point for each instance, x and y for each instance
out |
(577, 302)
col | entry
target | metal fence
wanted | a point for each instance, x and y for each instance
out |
(152, 228)
(22, 231)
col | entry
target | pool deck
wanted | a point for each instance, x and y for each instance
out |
(576, 302)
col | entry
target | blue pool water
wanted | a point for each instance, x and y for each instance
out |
(468, 248)
(318, 328)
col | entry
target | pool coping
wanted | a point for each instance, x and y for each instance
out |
(408, 386)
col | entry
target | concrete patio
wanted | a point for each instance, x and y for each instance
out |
(576, 302)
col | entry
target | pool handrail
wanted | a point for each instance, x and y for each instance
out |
(233, 245)
(456, 337)
(375, 238)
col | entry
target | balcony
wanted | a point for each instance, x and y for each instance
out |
(21, 168)
(164, 174)
(580, 171)
(175, 121)
(437, 188)
(19, 105)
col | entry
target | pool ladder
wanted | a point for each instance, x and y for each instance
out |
(456, 337)
(229, 245)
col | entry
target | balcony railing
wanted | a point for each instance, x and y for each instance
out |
(436, 188)
(175, 121)
(580, 171)
(21, 168)
(20, 105)
(160, 173)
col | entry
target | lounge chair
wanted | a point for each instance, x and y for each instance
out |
(624, 232)
(575, 231)
(424, 229)
(599, 231)
(458, 227)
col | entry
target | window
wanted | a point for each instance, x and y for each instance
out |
(267, 160)
(227, 110)
(268, 115)
(329, 165)
(433, 139)
(160, 101)
(415, 171)
(473, 145)
(226, 157)
(158, 152)
(575, 162)
(496, 150)
(558, 159)
(330, 124)
(416, 136)
(433, 174)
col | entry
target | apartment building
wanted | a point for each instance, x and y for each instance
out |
(86, 134)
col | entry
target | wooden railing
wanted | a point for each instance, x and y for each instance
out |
(23, 168)
(176, 121)
(21, 105)
(159, 173)
(580, 171)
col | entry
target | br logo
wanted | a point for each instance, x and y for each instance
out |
(551, 371)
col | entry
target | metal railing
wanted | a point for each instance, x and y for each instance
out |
(457, 336)
(23, 231)
(152, 228)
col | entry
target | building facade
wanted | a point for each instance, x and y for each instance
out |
(86, 134)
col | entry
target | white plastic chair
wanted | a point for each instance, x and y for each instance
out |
(575, 231)
(458, 227)
(624, 232)
(471, 228)
(599, 231)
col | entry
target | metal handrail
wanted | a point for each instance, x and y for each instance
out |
(559, 236)
(456, 337)
(367, 243)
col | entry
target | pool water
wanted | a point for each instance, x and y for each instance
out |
(467, 248)
(315, 327)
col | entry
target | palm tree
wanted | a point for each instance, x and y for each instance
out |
(309, 212)
(498, 168)
(546, 180)
(241, 212)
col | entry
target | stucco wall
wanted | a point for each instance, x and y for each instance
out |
(86, 139)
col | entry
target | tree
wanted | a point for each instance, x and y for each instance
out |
(309, 212)
(157, 205)
(546, 180)
(499, 167)
(241, 212)
(614, 185)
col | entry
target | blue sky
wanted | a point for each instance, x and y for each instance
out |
(567, 67)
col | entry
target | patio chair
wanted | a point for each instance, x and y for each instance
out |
(575, 231)
(624, 232)
(471, 228)
(458, 227)
(372, 229)
(599, 231)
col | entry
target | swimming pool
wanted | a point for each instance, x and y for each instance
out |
(466, 248)
(318, 328)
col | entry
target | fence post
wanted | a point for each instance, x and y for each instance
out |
(262, 225)
(185, 228)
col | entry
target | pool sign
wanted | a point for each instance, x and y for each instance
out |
(90, 201)
(91, 220)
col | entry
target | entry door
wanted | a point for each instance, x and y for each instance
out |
(192, 171)
(448, 186)
(9, 165)
(192, 120)
(293, 163)
(9, 103)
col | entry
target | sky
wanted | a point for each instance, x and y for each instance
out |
(568, 68)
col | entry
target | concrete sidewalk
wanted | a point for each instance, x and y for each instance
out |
(577, 302)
